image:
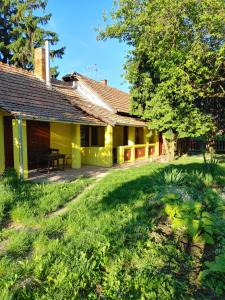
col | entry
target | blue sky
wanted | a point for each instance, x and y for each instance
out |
(74, 21)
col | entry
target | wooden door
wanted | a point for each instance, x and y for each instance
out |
(38, 141)
(8, 143)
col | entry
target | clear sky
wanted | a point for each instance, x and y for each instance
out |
(74, 21)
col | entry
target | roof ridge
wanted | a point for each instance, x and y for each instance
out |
(78, 100)
(98, 82)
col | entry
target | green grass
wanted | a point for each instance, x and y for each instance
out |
(28, 203)
(153, 232)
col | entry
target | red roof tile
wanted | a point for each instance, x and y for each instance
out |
(96, 111)
(21, 92)
(119, 100)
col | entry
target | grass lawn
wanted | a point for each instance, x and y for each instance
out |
(152, 232)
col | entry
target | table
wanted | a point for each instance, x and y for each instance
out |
(50, 158)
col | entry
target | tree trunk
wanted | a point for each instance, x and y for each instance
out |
(170, 145)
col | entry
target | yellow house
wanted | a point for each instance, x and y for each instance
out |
(85, 121)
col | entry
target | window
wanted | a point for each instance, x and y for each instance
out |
(125, 135)
(139, 135)
(84, 133)
(101, 136)
(92, 136)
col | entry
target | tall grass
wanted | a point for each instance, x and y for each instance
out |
(154, 232)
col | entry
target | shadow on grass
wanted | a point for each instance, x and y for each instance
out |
(220, 158)
(143, 217)
(143, 185)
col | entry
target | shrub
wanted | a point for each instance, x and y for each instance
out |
(213, 276)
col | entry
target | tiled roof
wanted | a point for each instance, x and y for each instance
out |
(117, 99)
(21, 92)
(96, 111)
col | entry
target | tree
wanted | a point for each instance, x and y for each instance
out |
(22, 30)
(176, 62)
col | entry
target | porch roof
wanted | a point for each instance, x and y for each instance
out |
(78, 100)
(22, 93)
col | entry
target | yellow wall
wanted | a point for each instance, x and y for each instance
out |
(2, 151)
(76, 149)
(61, 137)
(156, 140)
(66, 138)
(118, 133)
(131, 141)
(100, 156)
(16, 147)
(131, 135)
(96, 156)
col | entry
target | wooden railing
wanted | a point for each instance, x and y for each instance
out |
(134, 152)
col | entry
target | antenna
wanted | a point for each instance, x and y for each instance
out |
(93, 69)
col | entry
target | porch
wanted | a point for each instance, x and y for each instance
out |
(70, 174)
(133, 144)
(82, 145)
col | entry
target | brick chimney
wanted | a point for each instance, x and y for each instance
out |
(104, 82)
(40, 63)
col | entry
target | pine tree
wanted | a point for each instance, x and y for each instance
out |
(6, 30)
(22, 30)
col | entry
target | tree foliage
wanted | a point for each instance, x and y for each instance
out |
(176, 62)
(22, 25)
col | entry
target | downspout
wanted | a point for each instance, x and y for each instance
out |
(20, 137)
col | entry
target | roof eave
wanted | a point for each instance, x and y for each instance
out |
(130, 125)
(45, 119)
